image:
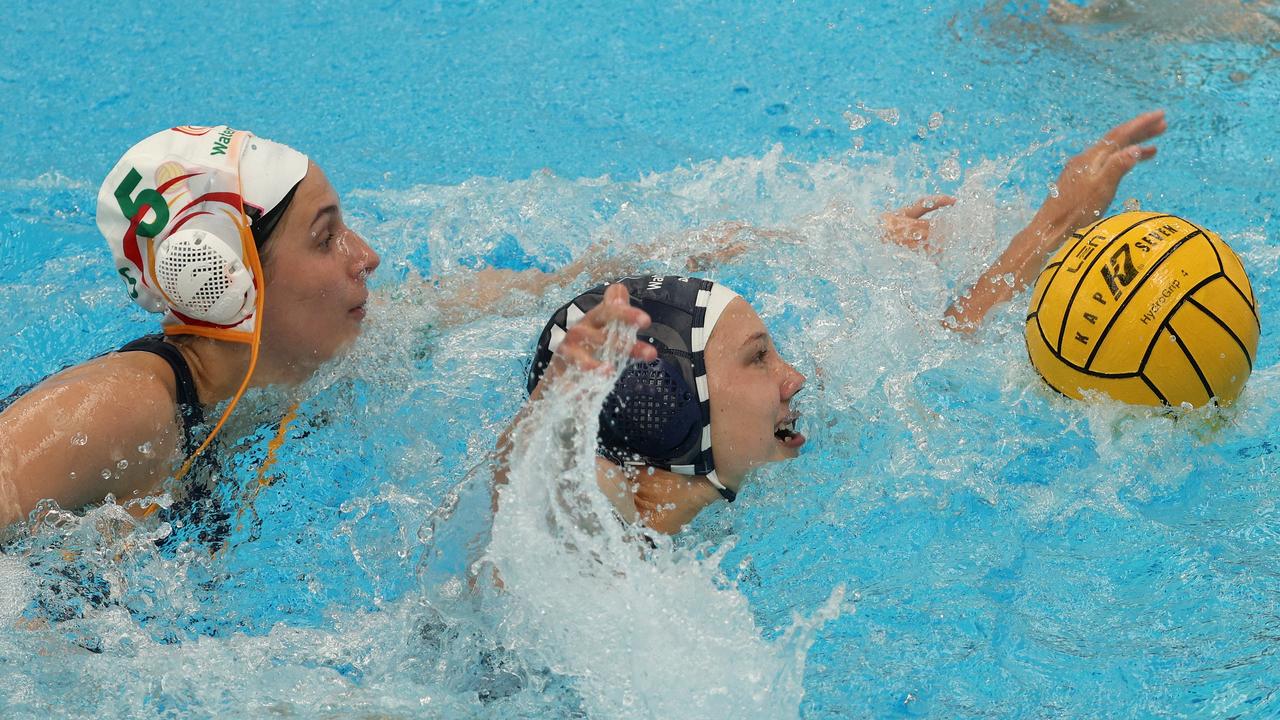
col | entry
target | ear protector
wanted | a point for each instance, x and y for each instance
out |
(203, 278)
(652, 411)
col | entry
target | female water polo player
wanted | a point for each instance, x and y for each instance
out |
(708, 377)
(708, 401)
(241, 243)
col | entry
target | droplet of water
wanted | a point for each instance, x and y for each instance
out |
(856, 121)
(935, 121)
(888, 115)
(921, 132)
(1053, 190)
(950, 169)
(1132, 205)
(106, 474)
(79, 439)
(123, 464)
(146, 448)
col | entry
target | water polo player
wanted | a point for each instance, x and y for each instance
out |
(708, 399)
(240, 243)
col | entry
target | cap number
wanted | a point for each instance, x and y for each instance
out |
(131, 282)
(148, 198)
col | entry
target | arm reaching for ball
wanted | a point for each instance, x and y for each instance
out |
(1086, 187)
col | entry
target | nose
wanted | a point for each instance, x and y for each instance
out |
(792, 382)
(364, 259)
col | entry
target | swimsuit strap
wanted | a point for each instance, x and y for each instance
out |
(188, 400)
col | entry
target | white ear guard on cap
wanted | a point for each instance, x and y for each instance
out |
(203, 278)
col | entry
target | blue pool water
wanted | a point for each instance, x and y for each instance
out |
(955, 541)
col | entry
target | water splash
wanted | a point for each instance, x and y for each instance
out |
(646, 633)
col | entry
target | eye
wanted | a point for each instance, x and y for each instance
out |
(760, 355)
(325, 237)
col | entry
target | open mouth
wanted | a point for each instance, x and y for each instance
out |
(785, 431)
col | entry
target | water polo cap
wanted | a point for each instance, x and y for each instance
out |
(659, 412)
(181, 211)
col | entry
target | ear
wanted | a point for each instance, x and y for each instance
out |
(651, 412)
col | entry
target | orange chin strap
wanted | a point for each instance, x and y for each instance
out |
(255, 341)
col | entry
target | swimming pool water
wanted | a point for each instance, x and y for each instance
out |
(955, 541)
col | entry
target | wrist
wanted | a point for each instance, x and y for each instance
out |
(1052, 225)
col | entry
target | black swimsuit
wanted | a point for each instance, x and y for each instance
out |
(198, 507)
(189, 408)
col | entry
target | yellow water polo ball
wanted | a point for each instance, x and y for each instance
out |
(1147, 308)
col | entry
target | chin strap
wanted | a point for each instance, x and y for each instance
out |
(255, 342)
(725, 492)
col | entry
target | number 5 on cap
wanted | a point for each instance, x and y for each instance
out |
(135, 208)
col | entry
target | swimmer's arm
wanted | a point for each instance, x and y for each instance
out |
(488, 291)
(1086, 188)
(58, 440)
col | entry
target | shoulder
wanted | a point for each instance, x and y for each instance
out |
(132, 384)
(108, 425)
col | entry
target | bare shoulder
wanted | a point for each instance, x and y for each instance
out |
(137, 380)
(109, 425)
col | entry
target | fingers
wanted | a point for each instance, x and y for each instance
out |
(1139, 129)
(583, 342)
(1126, 159)
(616, 307)
(904, 231)
(927, 204)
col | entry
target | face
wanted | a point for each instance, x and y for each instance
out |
(751, 388)
(315, 269)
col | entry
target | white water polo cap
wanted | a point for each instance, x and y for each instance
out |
(659, 412)
(184, 212)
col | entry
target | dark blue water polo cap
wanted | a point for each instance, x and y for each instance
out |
(659, 412)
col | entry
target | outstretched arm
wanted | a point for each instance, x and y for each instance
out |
(485, 292)
(1086, 188)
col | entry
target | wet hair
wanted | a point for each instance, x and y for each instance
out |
(264, 223)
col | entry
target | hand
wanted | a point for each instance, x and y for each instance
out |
(1088, 184)
(584, 342)
(908, 228)
(718, 245)
(1086, 188)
